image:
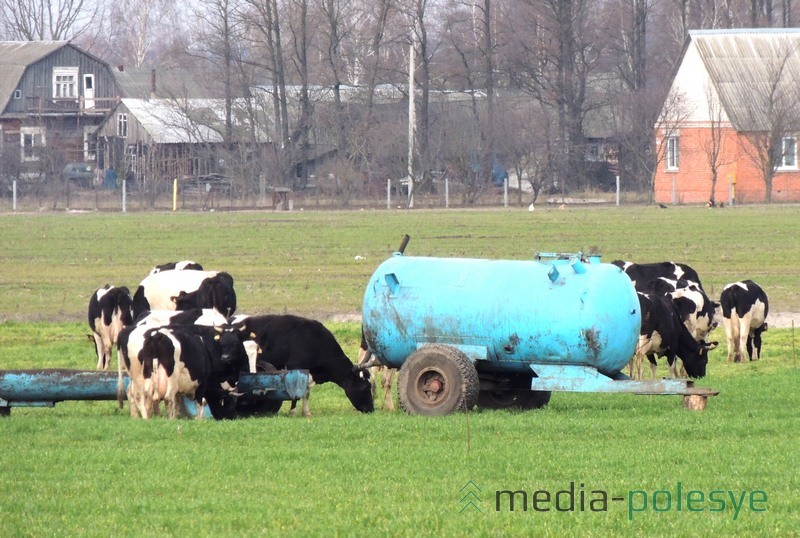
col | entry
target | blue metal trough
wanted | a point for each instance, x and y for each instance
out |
(46, 387)
(557, 323)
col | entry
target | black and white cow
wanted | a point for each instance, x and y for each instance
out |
(182, 290)
(642, 273)
(208, 317)
(744, 313)
(165, 363)
(292, 342)
(185, 265)
(663, 334)
(109, 312)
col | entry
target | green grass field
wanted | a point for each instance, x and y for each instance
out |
(86, 468)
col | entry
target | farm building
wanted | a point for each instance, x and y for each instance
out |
(177, 137)
(729, 126)
(53, 96)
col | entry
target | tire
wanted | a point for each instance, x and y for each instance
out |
(437, 380)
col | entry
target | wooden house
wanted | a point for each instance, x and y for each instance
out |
(729, 127)
(53, 96)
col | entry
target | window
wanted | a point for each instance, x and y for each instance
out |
(17, 94)
(122, 125)
(31, 139)
(672, 152)
(65, 82)
(787, 160)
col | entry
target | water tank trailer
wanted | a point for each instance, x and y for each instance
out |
(505, 333)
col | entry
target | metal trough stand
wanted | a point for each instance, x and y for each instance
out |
(582, 378)
(46, 387)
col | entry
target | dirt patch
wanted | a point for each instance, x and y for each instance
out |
(783, 320)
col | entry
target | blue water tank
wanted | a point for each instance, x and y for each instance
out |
(504, 314)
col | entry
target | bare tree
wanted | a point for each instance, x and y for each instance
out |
(27, 20)
(714, 145)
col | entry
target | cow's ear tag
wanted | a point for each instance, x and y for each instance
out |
(252, 335)
(217, 338)
(259, 350)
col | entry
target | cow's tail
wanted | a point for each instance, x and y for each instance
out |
(120, 384)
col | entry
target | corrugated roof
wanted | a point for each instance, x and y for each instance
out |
(24, 53)
(15, 57)
(745, 64)
(183, 121)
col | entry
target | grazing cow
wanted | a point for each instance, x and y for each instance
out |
(185, 265)
(387, 374)
(664, 334)
(642, 273)
(744, 313)
(291, 342)
(696, 310)
(182, 290)
(109, 312)
(197, 362)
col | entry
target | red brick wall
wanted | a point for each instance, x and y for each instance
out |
(691, 183)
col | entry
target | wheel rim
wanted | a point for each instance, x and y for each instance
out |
(431, 387)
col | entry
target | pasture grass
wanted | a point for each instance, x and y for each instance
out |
(86, 468)
(317, 263)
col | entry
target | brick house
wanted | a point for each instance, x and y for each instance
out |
(733, 103)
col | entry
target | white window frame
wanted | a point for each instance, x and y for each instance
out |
(122, 125)
(788, 160)
(65, 83)
(33, 133)
(672, 153)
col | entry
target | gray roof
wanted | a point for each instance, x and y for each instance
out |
(171, 83)
(15, 57)
(743, 64)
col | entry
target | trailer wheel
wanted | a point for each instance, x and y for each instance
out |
(437, 380)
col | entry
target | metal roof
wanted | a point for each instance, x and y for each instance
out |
(185, 121)
(744, 65)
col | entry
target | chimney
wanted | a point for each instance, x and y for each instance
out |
(153, 84)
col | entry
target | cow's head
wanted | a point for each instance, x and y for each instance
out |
(696, 359)
(232, 351)
(359, 390)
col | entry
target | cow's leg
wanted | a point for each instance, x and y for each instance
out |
(293, 408)
(98, 346)
(744, 334)
(731, 338)
(133, 402)
(387, 378)
(653, 366)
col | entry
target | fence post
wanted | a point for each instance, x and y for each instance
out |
(446, 192)
(388, 193)
(175, 194)
(14, 195)
(617, 191)
(124, 195)
(505, 193)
